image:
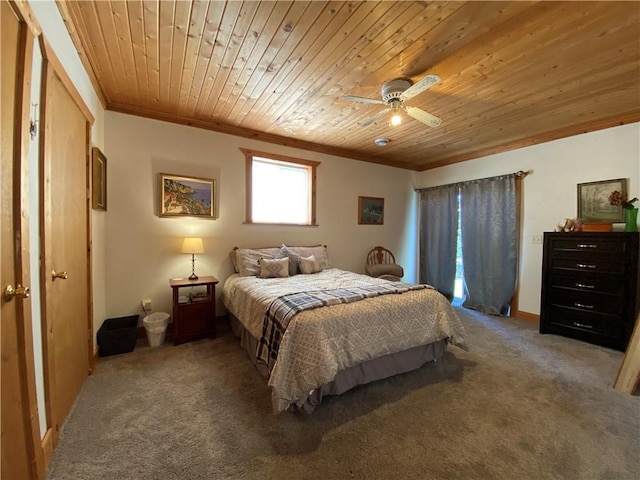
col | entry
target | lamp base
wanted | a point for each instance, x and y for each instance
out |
(193, 275)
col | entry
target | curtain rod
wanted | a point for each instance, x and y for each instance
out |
(519, 173)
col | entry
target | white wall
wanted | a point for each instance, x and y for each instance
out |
(34, 241)
(550, 192)
(142, 248)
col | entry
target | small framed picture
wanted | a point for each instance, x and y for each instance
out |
(98, 179)
(593, 201)
(182, 196)
(370, 211)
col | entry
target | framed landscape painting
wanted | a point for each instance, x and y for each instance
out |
(182, 196)
(98, 179)
(593, 201)
(370, 211)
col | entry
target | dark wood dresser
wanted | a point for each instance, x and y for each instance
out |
(590, 286)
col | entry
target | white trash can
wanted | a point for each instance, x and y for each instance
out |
(156, 326)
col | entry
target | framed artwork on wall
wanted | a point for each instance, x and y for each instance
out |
(370, 211)
(98, 180)
(593, 201)
(182, 196)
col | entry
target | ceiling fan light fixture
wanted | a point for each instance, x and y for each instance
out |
(396, 118)
(394, 94)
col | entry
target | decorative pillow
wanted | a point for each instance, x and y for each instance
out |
(380, 269)
(318, 251)
(309, 265)
(274, 268)
(247, 259)
(234, 260)
(293, 257)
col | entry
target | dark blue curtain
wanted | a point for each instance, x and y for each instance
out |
(438, 234)
(489, 220)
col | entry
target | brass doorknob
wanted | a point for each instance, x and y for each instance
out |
(62, 275)
(19, 291)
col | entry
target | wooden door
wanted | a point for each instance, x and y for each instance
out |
(65, 246)
(20, 442)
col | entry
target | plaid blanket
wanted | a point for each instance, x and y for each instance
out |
(282, 309)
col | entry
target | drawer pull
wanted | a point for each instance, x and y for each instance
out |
(582, 305)
(585, 265)
(582, 325)
(582, 285)
(587, 245)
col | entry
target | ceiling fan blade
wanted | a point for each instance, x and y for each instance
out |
(363, 99)
(420, 86)
(423, 116)
(375, 118)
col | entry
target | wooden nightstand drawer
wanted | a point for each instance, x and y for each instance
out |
(195, 318)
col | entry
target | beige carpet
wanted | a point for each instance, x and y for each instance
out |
(518, 405)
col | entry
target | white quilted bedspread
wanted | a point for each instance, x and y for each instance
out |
(320, 342)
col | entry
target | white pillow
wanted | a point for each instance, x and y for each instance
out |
(274, 268)
(309, 265)
(293, 259)
(318, 251)
(247, 259)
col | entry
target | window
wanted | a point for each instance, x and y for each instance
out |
(280, 189)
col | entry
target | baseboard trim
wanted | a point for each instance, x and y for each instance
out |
(94, 359)
(527, 317)
(47, 447)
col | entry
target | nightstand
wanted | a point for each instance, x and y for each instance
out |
(193, 318)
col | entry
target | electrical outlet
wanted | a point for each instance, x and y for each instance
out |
(536, 239)
(146, 304)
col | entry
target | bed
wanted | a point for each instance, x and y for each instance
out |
(327, 330)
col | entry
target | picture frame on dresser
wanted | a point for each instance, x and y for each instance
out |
(593, 201)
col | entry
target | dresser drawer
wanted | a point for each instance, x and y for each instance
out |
(592, 265)
(588, 246)
(590, 302)
(586, 282)
(608, 326)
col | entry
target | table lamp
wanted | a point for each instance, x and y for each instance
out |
(192, 245)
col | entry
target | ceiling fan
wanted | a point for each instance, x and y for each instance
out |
(394, 93)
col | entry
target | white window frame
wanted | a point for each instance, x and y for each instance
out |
(309, 165)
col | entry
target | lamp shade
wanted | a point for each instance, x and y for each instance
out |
(192, 245)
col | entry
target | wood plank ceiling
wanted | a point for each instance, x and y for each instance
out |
(513, 73)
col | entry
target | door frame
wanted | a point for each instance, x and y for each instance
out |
(29, 30)
(52, 64)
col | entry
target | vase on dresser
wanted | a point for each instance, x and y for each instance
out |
(631, 219)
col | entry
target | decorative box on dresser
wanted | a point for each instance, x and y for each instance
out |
(193, 319)
(590, 286)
